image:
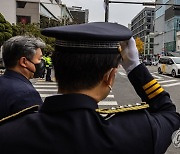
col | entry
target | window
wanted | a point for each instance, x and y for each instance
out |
(151, 39)
(151, 45)
(20, 4)
(159, 12)
(148, 19)
(170, 61)
(163, 61)
(148, 27)
(24, 19)
(177, 60)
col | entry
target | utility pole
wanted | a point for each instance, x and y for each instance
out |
(106, 3)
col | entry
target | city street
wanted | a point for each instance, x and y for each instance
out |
(123, 92)
(77, 27)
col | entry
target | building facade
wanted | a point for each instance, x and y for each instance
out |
(142, 26)
(167, 27)
(46, 12)
(80, 16)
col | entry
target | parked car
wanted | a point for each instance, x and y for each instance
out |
(169, 65)
(147, 62)
(155, 63)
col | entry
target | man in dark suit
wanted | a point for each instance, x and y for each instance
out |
(21, 56)
(85, 60)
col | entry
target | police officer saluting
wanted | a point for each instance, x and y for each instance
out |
(85, 60)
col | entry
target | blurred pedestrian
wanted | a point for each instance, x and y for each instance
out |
(85, 61)
(21, 56)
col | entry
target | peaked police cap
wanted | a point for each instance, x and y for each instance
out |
(95, 37)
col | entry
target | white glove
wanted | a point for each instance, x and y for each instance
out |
(130, 56)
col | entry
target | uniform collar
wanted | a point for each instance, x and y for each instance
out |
(16, 75)
(68, 102)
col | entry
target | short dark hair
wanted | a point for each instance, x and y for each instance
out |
(19, 46)
(75, 71)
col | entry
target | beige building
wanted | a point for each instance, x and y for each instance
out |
(47, 12)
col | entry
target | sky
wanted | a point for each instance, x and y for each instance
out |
(118, 12)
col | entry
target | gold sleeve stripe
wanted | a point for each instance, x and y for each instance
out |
(156, 86)
(149, 84)
(160, 90)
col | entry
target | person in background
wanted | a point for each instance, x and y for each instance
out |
(21, 55)
(48, 62)
(85, 61)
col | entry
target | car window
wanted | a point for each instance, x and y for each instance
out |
(177, 60)
(170, 61)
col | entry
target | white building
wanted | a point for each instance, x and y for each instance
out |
(167, 27)
(35, 11)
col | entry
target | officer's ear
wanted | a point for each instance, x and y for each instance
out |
(23, 62)
(110, 76)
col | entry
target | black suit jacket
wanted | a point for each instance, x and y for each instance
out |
(16, 93)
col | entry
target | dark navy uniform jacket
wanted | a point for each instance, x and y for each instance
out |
(16, 93)
(72, 124)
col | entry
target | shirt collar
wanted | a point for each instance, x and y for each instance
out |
(68, 102)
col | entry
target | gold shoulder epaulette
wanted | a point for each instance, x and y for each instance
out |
(31, 108)
(123, 108)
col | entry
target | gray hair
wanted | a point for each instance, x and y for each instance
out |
(20, 46)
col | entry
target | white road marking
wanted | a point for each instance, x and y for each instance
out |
(159, 79)
(46, 83)
(50, 90)
(121, 73)
(108, 103)
(155, 76)
(167, 81)
(110, 96)
(42, 87)
(170, 85)
(46, 95)
(164, 75)
(45, 86)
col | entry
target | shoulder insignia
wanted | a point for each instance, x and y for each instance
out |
(24, 111)
(123, 108)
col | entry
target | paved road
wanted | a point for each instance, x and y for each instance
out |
(125, 94)
(50, 88)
